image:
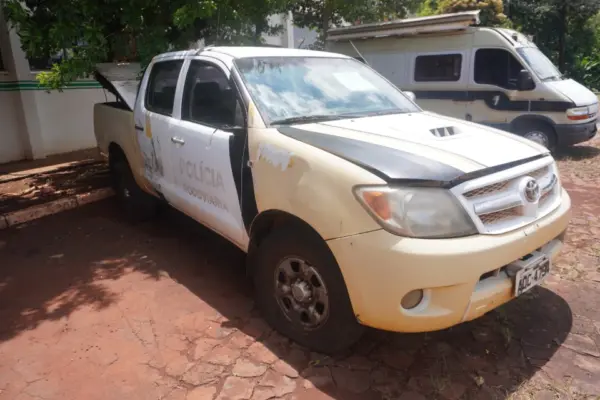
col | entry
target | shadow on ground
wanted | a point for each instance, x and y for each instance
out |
(577, 153)
(18, 192)
(64, 263)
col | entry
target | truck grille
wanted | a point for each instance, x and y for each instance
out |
(511, 199)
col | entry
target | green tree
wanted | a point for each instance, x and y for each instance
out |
(492, 11)
(563, 29)
(321, 15)
(94, 31)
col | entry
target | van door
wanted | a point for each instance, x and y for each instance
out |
(155, 123)
(440, 80)
(208, 146)
(494, 98)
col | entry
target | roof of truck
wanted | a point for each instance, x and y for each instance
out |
(250, 51)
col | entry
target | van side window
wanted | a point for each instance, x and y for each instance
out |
(209, 98)
(497, 67)
(160, 95)
(438, 68)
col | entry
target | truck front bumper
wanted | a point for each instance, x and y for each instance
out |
(380, 268)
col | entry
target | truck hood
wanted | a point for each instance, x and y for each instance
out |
(420, 146)
(574, 91)
(120, 79)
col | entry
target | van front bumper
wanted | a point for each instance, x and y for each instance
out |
(570, 134)
(380, 268)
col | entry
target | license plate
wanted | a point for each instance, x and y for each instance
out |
(531, 276)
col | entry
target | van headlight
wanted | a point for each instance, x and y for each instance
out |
(579, 113)
(416, 212)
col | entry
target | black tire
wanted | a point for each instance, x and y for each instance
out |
(138, 205)
(340, 329)
(540, 133)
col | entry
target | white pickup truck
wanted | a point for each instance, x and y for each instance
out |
(356, 208)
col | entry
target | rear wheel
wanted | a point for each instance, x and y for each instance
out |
(137, 204)
(301, 292)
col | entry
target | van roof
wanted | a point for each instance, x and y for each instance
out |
(408, 26)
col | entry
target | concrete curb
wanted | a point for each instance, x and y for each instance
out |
(54, 207)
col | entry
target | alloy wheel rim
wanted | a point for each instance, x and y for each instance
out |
(301, 293)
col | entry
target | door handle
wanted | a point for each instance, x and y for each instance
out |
(177, 140)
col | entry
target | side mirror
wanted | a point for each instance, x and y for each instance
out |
(525, 81)
(411, 96)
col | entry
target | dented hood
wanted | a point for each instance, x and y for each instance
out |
(418, 146)
(121, 79)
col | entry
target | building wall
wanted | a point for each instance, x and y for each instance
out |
(11, 146)
(35, 123)
(66, 119)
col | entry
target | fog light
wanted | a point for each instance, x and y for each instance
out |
(412, 299)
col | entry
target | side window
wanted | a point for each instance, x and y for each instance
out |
(160, 94)
(438, 68)
(497, 67)
(209, 98)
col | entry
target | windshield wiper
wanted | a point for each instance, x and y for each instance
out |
(307, 118)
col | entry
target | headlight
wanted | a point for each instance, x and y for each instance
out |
(578, 113)
(416, 212)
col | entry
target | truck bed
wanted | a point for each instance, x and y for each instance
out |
(114, 125)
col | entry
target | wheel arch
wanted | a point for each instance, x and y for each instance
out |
(527, 120)
(265, 223)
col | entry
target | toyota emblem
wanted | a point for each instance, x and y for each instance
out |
(532, 191)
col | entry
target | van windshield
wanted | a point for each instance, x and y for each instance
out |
(539, 63)
(312, 89)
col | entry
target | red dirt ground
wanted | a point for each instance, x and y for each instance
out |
(94, 308)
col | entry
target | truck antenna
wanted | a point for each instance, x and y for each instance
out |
(358, 52)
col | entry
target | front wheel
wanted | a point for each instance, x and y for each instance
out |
(301, 292)
(540, 134)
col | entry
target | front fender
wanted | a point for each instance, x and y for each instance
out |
(308, 183)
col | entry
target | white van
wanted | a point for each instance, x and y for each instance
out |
(492, 76)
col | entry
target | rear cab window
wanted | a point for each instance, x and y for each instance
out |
(160, 94)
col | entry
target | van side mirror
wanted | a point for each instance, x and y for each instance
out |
(525, 81)
(411, 96)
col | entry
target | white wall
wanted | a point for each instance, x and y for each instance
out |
(11, 146)
(67, 119)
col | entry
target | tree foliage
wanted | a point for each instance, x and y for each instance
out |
(492, 11)
(321, 15)
(566, 30)
(93, 31)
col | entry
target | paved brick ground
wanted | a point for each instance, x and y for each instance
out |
(94, 308)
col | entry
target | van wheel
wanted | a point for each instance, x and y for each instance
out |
(301, 292)
(539, 133)
(137, 204)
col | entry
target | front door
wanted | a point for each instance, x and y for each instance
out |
(155, 125)
(209, 136)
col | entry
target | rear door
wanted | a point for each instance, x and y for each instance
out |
(155, 122)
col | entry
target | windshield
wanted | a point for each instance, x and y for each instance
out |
(295, 89)
(539, 63)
